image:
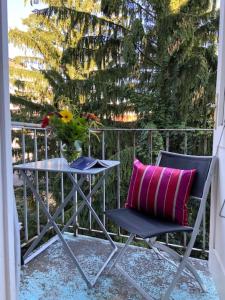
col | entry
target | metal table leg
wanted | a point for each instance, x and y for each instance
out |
(86, 201)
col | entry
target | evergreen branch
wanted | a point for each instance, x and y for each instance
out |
(147, 57)
(144, 9)
(27, 103)
(78, 17)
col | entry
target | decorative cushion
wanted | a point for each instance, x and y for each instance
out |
(160, 192)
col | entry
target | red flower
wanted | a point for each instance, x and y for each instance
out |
(45, 122)
(90, 116)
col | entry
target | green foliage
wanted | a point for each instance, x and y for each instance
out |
(76, 129)
(149, 144)
(129, 53)
(109, 7)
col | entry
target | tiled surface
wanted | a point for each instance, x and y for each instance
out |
(52, 275)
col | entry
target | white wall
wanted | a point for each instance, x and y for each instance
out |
(8, 252)
(217, 227)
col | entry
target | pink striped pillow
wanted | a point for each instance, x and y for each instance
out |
(160, 192)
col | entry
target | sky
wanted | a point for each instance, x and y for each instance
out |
(16, 12)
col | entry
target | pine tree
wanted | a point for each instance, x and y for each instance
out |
(156, 57)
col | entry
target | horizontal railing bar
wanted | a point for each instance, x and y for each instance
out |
(15, 124)
(137, 238)
(40, 249)
(113, 234)
(152, 129)
(35, 126)
(24, 244)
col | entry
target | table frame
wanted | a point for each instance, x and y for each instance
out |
(52, 218)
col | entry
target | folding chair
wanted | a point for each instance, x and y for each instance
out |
(142, 225)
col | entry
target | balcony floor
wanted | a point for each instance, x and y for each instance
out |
(51, 275)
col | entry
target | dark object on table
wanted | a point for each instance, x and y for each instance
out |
(86, 163)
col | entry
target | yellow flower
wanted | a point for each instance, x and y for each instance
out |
(66, 115)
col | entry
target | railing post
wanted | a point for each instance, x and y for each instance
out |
(118, 175)
(134, 145)
(62, 186)
(90, 180)
(36, 182)
(185, 143)
(150, 137)
(46, 173)
(103, 157)
(167, 149)
(167, 141)
(25, 189)
(205, 145)
(75, 223)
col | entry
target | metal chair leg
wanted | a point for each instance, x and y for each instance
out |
(127, 276)
(188, 265)
(134, 284)
(122, 251)
(156, 246)
(171, 287)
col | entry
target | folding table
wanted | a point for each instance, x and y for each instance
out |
(60, 165)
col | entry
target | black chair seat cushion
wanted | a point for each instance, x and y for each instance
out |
(143, 225)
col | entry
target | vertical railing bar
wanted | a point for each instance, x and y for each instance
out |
(89, 143)
(185, 152)
(90, 200)
(167, 238)
(75, 209)
(26, 233)
(151, 146)
(185, 240)
(185, 143)
(118, 176)
(46, 173)
(90, 180)
(62, 186)
(204, 214)
(134, 145)
(204, 230)
(36, 182)
(103, 157)
(167, 149)
(167, 141)
(205, 145)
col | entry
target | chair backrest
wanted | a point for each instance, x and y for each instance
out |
(186, 162)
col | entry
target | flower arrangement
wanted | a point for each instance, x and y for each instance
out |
(71, 130)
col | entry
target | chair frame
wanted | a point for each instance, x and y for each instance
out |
(184, 262)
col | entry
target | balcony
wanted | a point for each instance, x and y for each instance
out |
(50, 274)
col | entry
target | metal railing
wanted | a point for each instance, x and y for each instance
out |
(31, 143)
